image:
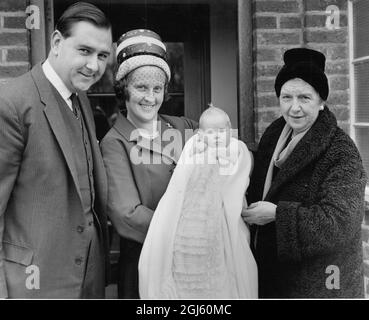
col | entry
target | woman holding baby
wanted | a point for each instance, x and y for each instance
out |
(141, 150)
(194, 235)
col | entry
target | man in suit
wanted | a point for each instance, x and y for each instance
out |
(53, 187)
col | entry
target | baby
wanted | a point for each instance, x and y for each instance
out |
(214, 143)
(197, 245)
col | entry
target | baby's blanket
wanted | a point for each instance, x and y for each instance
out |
(197, 245)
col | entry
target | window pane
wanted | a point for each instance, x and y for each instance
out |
(175, 54)
(361, 27)
(174, 106)
(362, 135)
(361, 71)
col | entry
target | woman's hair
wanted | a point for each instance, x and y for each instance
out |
(81, 11)
(122, 93)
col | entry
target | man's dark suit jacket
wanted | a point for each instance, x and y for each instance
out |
(41, 214)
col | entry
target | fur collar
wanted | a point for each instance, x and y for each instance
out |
(311, 146)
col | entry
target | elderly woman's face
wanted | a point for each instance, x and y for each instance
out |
(300, 104)
(146, 93)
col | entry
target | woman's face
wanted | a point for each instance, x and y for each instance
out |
(146, 93)
(300, 104)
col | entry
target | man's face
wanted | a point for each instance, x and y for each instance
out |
(80, 60)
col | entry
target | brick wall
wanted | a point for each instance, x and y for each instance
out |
(14, 39)
(283, 24)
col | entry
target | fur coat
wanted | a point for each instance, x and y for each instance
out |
(313, 249)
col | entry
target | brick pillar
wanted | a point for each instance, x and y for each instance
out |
(14, 39)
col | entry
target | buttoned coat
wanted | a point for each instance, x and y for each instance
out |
(41, 213)
(313, 249)
(138, 174)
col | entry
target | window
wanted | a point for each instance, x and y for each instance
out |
(175, 57)
(359, 77)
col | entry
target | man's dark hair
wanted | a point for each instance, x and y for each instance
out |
(81, 11)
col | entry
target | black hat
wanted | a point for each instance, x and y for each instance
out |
(306, 64)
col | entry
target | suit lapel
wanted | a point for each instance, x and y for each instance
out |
(54, 118)
(128, 131)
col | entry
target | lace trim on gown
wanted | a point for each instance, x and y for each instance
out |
(201, 266)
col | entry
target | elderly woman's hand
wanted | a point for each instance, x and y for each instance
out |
(259, 213)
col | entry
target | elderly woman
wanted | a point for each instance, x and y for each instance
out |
(306, 193)
(142, 149)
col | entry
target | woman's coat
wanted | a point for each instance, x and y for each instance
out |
(138, 174)
(313, 249)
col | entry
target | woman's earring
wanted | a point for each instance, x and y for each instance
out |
(322, 107)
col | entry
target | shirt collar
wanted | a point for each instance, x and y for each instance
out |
(55, 80)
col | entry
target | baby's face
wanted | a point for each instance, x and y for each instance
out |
(216, 131)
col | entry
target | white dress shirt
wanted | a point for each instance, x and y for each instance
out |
(57, 82)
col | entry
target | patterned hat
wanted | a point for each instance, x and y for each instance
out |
(140, 47)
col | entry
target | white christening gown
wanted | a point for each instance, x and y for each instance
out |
(197, 246)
